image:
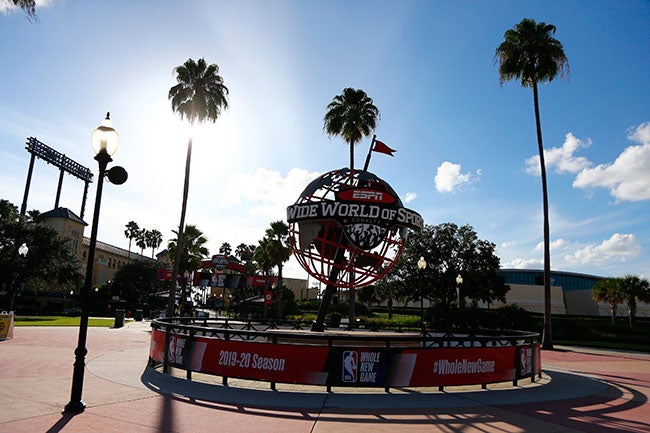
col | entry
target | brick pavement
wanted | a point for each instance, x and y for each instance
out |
(581, 391)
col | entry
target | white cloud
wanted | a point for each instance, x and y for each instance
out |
(555, 245)
(523, 264)
(627, 177)
(410, 196)
(268, 190)
(449, 178)
(618, 247)
(561, 159)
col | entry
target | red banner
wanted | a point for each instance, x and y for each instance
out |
(288, 363)
(347, 366)
(445, 366)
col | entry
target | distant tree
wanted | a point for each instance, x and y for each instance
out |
(609, 291)
(634, 289)
(141, 240)
(245, 253)
(225, 249)
(34, 215)
(279, 252)
(193, 249)
(48, 262)
(199, 96)
(131, 232)
(351, 115)
(8, 211)
(389, 289)
(449, 251)
(136, 282)
(368, 295)
(530, 53)
(154, 239)
(262, 258)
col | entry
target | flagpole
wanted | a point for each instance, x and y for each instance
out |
(372, 143)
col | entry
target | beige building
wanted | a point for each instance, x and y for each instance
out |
(108, 258)
(571, 293)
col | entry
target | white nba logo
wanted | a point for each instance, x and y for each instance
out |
(350, 363)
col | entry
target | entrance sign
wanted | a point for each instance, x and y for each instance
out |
(348, 227)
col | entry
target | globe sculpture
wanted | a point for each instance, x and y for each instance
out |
(348, 228)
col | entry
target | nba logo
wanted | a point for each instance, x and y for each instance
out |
(350, 362)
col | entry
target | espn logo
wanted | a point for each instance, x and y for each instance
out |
(359, 194)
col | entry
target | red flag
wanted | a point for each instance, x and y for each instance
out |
(382, 148)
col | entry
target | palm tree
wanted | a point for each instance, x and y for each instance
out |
(351, 115)
(132, 230)
(531, 54)
(199, 96)
(141, 241)
(261, 256)
(189, 255)
(154, 239)
(225, 249)
(609, 291)
(278, 252)
(245, 254)
(634, 289)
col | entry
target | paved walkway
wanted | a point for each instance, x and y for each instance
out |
(581, 391)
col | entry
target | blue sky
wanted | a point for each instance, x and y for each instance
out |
(466, 146)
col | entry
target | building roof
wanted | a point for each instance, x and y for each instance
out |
(63, 212)
(569, 281)
(102, 246)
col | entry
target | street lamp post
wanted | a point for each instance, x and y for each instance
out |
(105, 141)
(22, 252)
(459, 281)
(422, 265)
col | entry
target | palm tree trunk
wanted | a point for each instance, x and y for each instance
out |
(351, 156)
(171, 303)
(631, 305)
(547, 336)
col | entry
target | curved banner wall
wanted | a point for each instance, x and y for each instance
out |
(347, 366)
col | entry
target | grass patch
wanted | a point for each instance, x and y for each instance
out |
(61, 321)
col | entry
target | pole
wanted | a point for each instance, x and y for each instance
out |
(83, 200)
(421, 304)
(76, 405)
(23, 207)
(372, 143)
(58, 189)
(171, 303)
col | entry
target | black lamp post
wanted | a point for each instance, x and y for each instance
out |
(422, 265)
(20, 285)
(105, 141)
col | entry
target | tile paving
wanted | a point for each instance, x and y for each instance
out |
(581, 390)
